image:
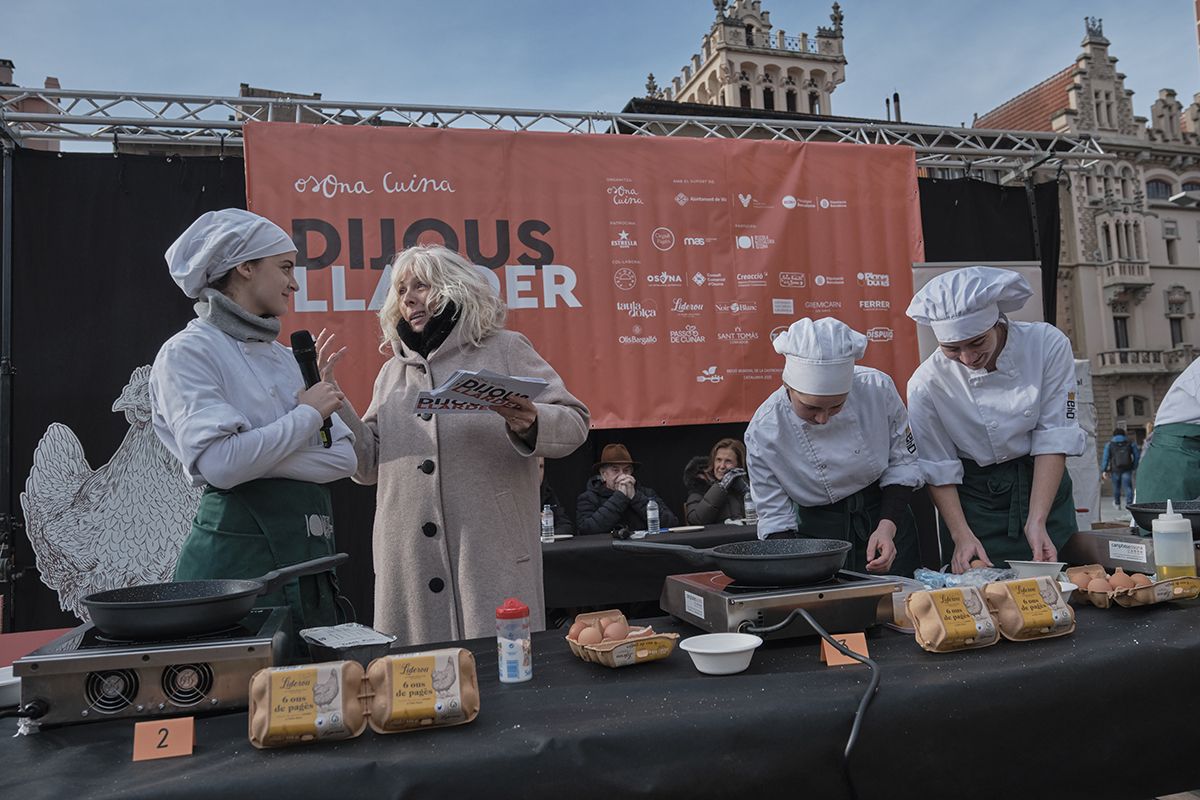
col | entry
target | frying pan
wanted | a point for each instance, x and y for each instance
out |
(187, 608)
(1144, 513)
(769, 562)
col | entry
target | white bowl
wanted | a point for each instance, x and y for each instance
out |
(721, 653)
(1034, 569)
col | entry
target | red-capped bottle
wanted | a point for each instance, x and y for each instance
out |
(514, 647)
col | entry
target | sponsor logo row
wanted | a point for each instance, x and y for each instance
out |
(692, 334)
(648, 308)
(626, 278)
(622, 192)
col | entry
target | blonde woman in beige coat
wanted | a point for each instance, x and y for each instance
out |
(456, 522)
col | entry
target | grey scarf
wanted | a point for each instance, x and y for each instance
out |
(218, 310)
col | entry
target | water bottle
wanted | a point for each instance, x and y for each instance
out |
(514, 647)
(651, 518)
(1174, 552)
(750, 511)
(547, 524)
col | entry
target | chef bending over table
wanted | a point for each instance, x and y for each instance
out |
(993, 411)
(830, 454)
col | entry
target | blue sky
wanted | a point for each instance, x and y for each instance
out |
(947, 58)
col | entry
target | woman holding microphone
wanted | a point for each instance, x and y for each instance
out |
(229, 403)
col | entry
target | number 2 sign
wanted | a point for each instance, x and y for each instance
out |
(163, 738)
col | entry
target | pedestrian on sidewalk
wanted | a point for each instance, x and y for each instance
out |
(1119, 463)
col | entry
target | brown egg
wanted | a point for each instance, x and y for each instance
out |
(1120, 580)
(576, 627)
(1099, 585)
(616, 631)
(590, 635)
(976, 563)
(1140, 580)
(604, 622)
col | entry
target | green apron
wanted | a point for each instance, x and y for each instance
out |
(995, 502)
(258, 526)
(1170, 467)
(853, 519)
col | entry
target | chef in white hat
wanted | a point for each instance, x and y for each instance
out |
(228, 401)
(993, 411)
(830, 454)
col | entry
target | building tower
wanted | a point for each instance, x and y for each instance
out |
(745, 62)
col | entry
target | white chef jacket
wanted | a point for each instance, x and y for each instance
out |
(794, 463)
(1182, 403)
(1025, 407)
(227, 410)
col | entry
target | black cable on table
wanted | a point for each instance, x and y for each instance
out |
(868, 695)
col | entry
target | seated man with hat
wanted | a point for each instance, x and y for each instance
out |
(613, 499)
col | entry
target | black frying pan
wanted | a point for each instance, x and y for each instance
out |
(769, 562)
(1144, 513)
(187, 608)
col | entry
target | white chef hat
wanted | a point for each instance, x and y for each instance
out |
(819, 355)
(962, 304)
(220, 240)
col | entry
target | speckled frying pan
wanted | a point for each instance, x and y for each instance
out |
(187, 608)
(770, 562)
(1144, 513)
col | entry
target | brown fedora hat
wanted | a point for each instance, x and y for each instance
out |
(614, 454)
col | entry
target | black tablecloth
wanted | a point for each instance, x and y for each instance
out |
(587, 571)
(1107, 712)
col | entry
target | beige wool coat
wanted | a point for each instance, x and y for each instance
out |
(456, 518)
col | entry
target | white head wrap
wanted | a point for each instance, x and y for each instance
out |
(967, 302)
(819, 355)
(220, 240)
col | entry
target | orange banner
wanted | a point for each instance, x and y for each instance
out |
(652, 273)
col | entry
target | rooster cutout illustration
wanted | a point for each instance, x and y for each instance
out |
(119, 525)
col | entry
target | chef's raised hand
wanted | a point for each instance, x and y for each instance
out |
(327, 357)
(966, 551)
(1039, 542)
(324, 397)
(521, 419)
(881, 547)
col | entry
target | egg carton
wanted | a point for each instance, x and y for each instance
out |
(637, 648)
(1187, 588)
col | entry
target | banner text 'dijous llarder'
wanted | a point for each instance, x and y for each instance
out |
(651, 273)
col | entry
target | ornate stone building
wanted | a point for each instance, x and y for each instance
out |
(1130, 250)
(745, 62)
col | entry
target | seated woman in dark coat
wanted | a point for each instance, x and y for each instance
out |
(717, 485)
(613, 499)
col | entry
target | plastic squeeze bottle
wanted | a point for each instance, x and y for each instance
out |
(513, 644)
(1174, 552)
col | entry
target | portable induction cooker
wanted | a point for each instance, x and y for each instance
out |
(712, 601)
(85, 676)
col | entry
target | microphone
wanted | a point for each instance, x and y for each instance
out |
(305, 351)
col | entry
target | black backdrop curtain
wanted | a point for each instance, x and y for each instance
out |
(970, 220)
(93, 301)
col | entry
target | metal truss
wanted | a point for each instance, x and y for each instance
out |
(37, 115)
